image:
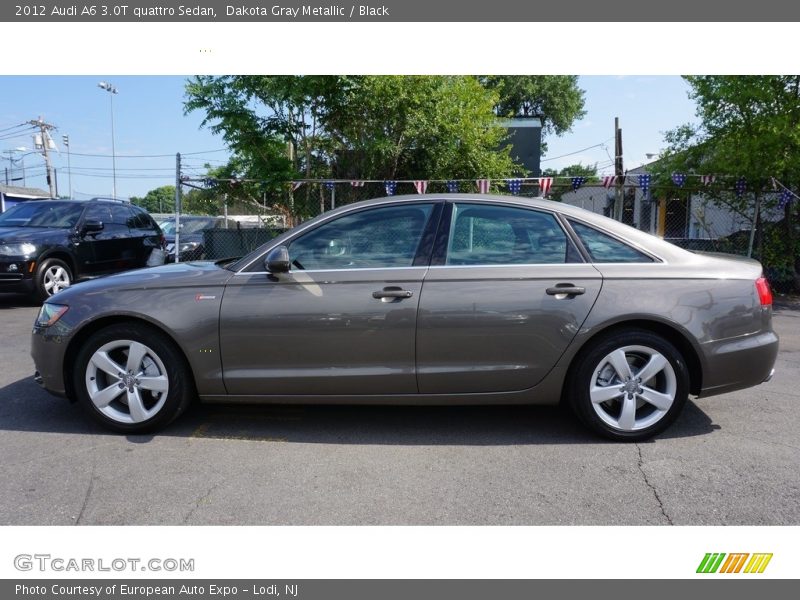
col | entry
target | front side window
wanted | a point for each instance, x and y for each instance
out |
(504, 235)
(605, 249)
(371, 239)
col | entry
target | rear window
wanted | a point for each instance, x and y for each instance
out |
(603, 248)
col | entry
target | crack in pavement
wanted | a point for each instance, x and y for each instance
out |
(199, 501)
(640, 465)
(89, 488)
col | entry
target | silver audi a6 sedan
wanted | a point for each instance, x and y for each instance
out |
(433, 299)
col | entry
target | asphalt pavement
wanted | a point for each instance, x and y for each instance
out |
(728, 460)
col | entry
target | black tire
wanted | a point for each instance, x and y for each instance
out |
(588, 370)
(44, 282)
(160, 349)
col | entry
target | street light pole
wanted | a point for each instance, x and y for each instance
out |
(104, 85)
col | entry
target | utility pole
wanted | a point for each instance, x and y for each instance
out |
(178, 207)
(65, 139)
(45, 129)
(618, 170)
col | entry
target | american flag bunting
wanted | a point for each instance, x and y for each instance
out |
(644, 182)
(609, 180)
(514, 186)
(707, 179)
(391, 187)
(483, 185)
(545, 183)
(679, 179)
(740, 186)
(578, 182)
(421, 186)
(452, 186)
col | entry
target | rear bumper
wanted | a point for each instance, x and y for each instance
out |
(739, 363)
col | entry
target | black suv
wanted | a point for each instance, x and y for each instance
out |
(46, 245)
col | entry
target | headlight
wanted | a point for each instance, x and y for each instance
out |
(189, 246)
(23, 249)
(50, 313)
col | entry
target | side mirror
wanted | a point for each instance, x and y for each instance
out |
(277, 260)
(92, 226)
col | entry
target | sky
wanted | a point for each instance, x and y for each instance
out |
(149, 120)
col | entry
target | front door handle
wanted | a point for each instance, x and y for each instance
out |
(565, 289)
(390, 293)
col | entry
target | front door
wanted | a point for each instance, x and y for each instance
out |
(342, 321)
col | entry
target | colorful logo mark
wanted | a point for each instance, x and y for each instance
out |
(734, 563)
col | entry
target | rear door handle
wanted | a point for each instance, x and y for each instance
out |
(392, 292)
(565, 289)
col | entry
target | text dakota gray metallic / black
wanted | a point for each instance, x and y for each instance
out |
(430, 299)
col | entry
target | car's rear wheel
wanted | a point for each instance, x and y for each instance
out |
(132, 379)
(52, 276)
(629, 386)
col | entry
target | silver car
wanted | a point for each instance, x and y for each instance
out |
(433, 299)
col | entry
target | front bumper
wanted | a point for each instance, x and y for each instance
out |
(48, 348)
(16, 275)
(739, 363)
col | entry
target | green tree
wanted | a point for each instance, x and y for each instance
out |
(556, 99)
(749, 126)
(158, 200)
(282, 128)
(417, 127)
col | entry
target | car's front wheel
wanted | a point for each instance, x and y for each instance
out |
(52, 276)
(629, 386)
(132, 379)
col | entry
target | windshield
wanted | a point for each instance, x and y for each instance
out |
(48, 213)
(187, 225)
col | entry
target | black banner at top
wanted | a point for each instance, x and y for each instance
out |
(401, 10)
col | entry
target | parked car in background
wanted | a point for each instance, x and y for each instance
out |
(191, 235)
(430, 299)
(46, 245)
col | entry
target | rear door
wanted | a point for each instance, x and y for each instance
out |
(491, 316)
(145, 235)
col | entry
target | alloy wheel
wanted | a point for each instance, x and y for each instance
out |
(633, 387)
(56, 278)
(127, 381)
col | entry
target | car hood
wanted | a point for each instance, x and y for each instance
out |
(180, 275)
(18, 235)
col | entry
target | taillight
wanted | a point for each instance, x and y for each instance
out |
(764, 292)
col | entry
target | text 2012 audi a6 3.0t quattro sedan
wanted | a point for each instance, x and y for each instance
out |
(420, 300)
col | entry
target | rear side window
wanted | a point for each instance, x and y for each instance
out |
(603, 248)
(141, 220)
(504, 235)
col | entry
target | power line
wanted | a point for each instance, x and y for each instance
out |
(14, 127)
(150, 155)
(603, 143)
